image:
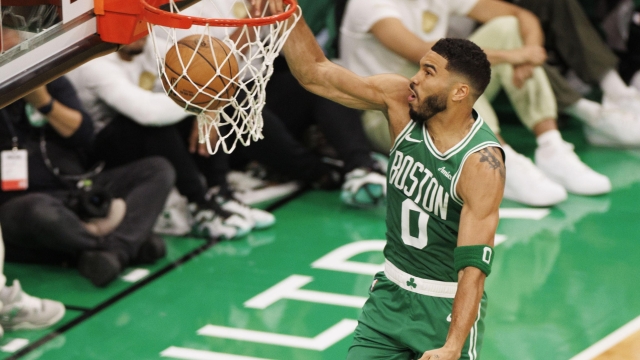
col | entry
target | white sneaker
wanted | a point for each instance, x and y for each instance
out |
(635, 80)
(614, 127)
(561, 164)
(23, 311)
(175, 219)
(261, 219)
(219, 224)
(363, 188)
(629, 102)
(526, 184)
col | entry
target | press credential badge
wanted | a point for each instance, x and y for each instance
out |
(15, 173)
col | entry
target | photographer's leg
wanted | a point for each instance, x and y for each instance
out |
(40, 224)
(144, 185)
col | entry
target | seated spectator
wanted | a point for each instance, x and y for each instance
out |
(19, 310)
(51, 218)
(574, 44)
(53, 214)
(133, 122)
(619, 20)
(390, 37)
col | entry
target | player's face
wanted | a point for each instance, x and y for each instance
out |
(429, 87)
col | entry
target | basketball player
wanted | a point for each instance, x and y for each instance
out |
(445, 184)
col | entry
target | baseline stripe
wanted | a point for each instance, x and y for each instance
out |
(524, 213)
(320, 342)
(193, 354)
(609, 341)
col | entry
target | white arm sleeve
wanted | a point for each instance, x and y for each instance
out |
(461, 7)
(147, 108)
(363, 14)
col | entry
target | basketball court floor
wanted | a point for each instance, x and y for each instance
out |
(565, 284)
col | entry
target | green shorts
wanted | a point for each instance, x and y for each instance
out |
(397, 324)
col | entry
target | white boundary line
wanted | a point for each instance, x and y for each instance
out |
(194, 354)
(524, 213)
(320, 342)
(609, 341)
(14, 345)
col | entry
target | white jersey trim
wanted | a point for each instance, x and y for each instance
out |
(456, 176)
(407, 129)
(456, 148)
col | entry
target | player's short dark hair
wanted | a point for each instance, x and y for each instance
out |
(466, 58)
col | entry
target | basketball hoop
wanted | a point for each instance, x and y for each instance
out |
(226, 91)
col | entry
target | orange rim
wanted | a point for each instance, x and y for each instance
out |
(160, 17)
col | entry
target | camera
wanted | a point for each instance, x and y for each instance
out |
(89, 201)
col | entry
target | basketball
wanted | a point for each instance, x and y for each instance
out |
(198, 72)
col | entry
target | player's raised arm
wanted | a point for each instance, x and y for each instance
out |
(481, 187)
(322, 77)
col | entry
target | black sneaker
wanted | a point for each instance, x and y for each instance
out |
(152, 249)
(101, 267)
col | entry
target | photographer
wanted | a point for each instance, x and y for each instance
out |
(61, 209)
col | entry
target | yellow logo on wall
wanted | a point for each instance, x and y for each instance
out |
(147, 80)
(239, 10)
(429, 21)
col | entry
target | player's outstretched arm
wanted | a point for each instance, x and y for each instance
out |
(322, 77)
(481, 187)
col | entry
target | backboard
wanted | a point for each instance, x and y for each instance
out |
(47, 39)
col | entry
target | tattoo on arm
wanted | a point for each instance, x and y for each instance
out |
(488, 155)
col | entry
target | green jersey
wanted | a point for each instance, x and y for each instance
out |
(423, 208)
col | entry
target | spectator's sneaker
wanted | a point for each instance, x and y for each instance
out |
(329, 181)
(364, 188)
(526, 184)
(561, 164)
(101, 267)
(152, 249)
(175, 219)
(260, 218)
(215, 223)
(614, 128)
(23, 311)
(629, 102)
(381, 162)
(635, 80)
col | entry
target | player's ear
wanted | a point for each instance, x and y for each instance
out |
(461, 91)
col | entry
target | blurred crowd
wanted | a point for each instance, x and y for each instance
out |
(113, 163)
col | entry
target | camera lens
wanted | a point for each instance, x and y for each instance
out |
(96, 200)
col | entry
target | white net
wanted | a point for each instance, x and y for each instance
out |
(220, 73)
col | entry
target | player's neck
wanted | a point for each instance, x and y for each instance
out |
(449, 127)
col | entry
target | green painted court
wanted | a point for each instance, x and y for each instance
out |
(564, 279)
